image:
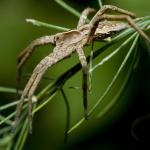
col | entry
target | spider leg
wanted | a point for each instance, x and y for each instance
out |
(25, 54)
(123, 17)
(35, 78)
(83, 61)
(105, 8)
(100, 16)
(84, 16)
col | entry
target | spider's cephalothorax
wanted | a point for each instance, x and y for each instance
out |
(68, 42)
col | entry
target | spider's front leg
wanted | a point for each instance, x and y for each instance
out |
(57, 55)
(83, 61)
(101, 16)
(26, 53)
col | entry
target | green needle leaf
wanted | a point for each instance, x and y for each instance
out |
(69, 8)
(43, 24)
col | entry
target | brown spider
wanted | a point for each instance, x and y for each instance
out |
(68, 42)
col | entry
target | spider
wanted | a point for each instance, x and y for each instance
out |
(68, 42)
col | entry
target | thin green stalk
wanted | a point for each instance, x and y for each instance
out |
(100, 3)
(122, 87)
(44, 103)
(68, 115)
(6, 140)
(42, 92)
(9, 105)
(5, 129)
(105, 59)
(142, 18)
(137, 61)
(23, 134)
(43, 24)
(69, 8)
(22, 137)
(6, 106)
(9, 122)
(7, 90)
(10, 116)
(6, 119)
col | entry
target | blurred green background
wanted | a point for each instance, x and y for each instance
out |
(112, 131)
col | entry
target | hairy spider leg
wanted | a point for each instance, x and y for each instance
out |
(101, 16)
(83, 60)
(57, 55)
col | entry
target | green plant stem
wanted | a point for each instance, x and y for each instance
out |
(69, 8)
(4, 130)
(3, 119)
(6, 106)
(7, 90)
(100, 3)
(68, 115)
(24, 132)
(44, 103)
(6, 119)
(42, 24)
(105, 59)
(119, 93)
(10, 116)
(22, 137)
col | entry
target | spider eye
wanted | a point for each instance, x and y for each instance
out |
(57, 38)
